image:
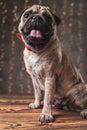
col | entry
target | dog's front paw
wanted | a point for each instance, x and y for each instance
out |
(84, 113)
(46, 118)
(34, 105)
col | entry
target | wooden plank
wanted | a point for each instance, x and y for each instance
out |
(15, 114)
(37, 126)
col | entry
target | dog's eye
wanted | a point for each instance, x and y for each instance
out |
(26, 15)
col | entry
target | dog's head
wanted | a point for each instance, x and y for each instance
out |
(37, 26)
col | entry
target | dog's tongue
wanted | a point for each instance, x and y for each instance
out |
(35, 33)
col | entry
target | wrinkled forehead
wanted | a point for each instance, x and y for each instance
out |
(38, 9)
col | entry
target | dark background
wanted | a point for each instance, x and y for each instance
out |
(72, 32)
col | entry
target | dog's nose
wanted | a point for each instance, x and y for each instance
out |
(37, 21)
(37, 18)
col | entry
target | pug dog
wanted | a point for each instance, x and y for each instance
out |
(54, 76)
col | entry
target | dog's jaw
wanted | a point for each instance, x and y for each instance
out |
(20, 37)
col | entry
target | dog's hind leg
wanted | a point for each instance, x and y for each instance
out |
(61, 104)
(77, 97)
(65, 104)
(83, 112)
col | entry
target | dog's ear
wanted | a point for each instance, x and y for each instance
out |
(18, 14)
(57, 19)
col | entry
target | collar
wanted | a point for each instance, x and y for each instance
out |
(19, 36)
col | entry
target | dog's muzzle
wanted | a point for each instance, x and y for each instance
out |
(37, 31)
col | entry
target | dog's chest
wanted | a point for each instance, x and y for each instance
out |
(35, 68)
(31, 62)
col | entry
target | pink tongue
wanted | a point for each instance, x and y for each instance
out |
(35, 33)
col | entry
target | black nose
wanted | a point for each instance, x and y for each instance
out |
(37, 18)
(37, 21)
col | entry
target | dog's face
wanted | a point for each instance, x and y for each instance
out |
(37, 26)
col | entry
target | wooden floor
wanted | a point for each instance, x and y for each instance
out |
(15, 115)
